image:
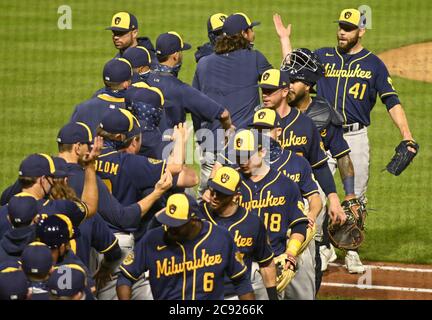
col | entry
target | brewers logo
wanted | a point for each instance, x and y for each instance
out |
(348, 15)
(261, 115)
(117, 20)
(225, 178)
(239, 257)
(129, 259)
(172, 208)
(239, 142)
(266, 76)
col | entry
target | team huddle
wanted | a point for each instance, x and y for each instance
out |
(114, 215)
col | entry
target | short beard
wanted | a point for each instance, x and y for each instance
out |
(351, 44)
(296, 101)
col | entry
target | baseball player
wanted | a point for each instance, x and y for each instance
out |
(21, 213)
(13, 283)
(353, 78)
(248, 231)
(37, 264)
(179, 96)
(117, 74)
(230, 77)
(37, 174)
(140, 60)
(214, 30)
(77, 284)
(277, 201)
(305, 69)
(124, 27)
(57, 231)
(187, 258)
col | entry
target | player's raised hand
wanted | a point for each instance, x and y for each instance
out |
(95, 152)
(164, 183)
(281, 30)
(206, 196)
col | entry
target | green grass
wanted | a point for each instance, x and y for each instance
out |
(45, 72)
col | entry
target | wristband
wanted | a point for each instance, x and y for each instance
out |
(293, 247)
(348, 184)
(272, 293)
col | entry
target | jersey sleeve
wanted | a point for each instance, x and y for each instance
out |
(200, 105)
(134, 265)
(262, 63)
(384, 86)
(236, 265)
(76, 211)
(317, 155)
(334, 141)
(144, 172)
(294, 204)
(103, 240)
(263, 252)
(307, 182)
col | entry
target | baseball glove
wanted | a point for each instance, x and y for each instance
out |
(402, 157)
(283, 277)
(350, 235)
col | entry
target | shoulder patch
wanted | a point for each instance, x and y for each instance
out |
(129, 259)
(301, 206)
(239, 257)
(81, 206)
(154, 161)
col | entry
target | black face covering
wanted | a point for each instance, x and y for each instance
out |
(275, 150)
(144, 76)
(173, 70)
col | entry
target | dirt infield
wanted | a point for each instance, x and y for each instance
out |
(385, 281)
(412, 62)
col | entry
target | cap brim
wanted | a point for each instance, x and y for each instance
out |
(220, 189)
(163, 218)
(255, 23)
(60, 174)
(186, 46)
(117, 29)
(347, 23)
(262, 125)
(269, 86)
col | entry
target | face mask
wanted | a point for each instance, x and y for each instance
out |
(173, 70)
(275, 150)
(148, 115)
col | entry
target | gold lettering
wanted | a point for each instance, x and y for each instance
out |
(332, 72)
(242, 242)
(268, 201)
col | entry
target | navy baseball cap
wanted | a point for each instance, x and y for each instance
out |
(117, 70)
(36, 259)
(13, 284)
(123, 21)
(170, 42)
(151, 95)
(120, 121)
(180, 208)
(75, 132)
(216, 22)
(38, 165)
(266, 118)
(237, 23)
(22, 208)
(274, 79)
(73, 274)
(137, 56)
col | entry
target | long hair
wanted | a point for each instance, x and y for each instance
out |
(61, 190)
(226, 43)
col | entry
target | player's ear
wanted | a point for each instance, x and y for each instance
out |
(278, 132)
(362, 32)
(135, 33)
(285, 92)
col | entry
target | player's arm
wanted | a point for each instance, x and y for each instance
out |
(163, 185)
(315, 206)
(90, 194)
(346, 170)
(177, 156)
(284, 35)
(187, 178)
(399, 118)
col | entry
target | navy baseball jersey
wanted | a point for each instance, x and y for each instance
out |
(298, 170)
(191, 270)
(249, 235)
(94, 234)
(128, 175)
(352, 83)
(117, 216)
(92, 111)
(277, 201)
(231, 79)
(181, 98)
